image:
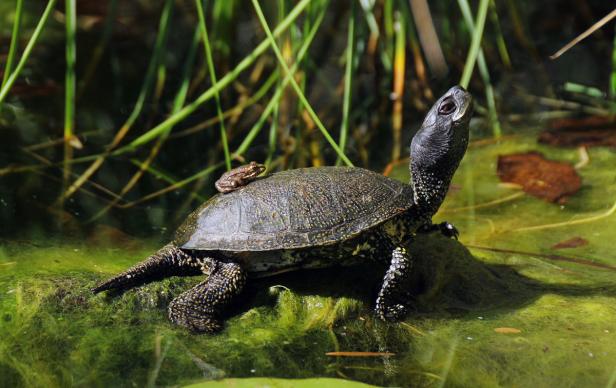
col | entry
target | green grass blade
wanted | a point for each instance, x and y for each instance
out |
(223, 20)
(203, 173)
(137, 109)
(348, 76)
(473, 51)
(388, 27)
(589, 91)
(69, 87)
(500, 39)
(483, 71)
(98, 52)
(163, 176)
(178, 102)
(254, 131)
(212, 71)
(221, 84)
(273, 134)
(159, 47)
(258, 94)
(26, 54)
(398, 84)
(296, 87)
(180, 97)
(367, 8)
(14, 42)
(373, 25)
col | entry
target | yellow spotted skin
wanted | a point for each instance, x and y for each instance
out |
(199, 308)
(392, 302)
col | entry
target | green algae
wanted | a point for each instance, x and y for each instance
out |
(558, 306)
(279, 383)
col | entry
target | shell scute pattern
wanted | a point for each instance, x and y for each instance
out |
(367, 198)
(314, 204)
(262, 216)
(294, 209)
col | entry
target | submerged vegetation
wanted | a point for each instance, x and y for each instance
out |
(117, 117)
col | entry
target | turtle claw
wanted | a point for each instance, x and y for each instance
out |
(446, 229)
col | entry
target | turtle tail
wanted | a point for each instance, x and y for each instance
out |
(167, 261)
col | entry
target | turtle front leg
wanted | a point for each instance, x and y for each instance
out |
(394, 297)
(199, 309)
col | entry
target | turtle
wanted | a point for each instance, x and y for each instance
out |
(311, 218)
(238, 177)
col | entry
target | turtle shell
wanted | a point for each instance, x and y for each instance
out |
(295, 209)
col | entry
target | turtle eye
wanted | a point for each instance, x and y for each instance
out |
(446, 107)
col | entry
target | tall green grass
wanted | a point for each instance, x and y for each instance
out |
(476, 33)
(296, 87)
(212, 71)
(220, 85)
(10, 80)
(348, 82)
(266, 93)
(146, 88)
(14, 42)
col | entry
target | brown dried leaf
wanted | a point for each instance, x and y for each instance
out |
(540, 177)
(571, 243)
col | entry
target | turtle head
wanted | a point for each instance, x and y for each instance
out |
(438, 147)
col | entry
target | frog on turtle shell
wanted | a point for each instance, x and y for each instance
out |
(311, 218)
(238, 177)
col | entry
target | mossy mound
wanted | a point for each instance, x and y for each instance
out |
(56, 333)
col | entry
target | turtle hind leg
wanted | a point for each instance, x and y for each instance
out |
(200, 308)
(167, 261)
(394, 297)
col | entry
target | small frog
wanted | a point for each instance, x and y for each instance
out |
(238, 177)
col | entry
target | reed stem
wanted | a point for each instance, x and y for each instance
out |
(6, 86)
(296, 87)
